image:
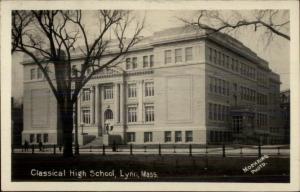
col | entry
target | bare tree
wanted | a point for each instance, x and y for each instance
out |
(51, 37)
(270, 22)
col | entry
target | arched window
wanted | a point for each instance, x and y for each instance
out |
(108, 114)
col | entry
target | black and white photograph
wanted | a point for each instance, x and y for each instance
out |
(156, 93)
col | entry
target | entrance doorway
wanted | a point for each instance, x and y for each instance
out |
(108, 121)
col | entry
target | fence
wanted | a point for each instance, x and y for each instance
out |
(158, 149)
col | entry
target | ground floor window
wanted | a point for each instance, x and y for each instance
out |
(188, 136)
(220, 136)
(178, 136)
(168, 136)
(131, 137)
(237, 124)
(38, 138)
(147, 137)
(45, 138)
(31, 138)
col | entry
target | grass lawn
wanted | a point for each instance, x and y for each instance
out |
(91, 167)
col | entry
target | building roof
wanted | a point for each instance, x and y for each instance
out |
(177, 34)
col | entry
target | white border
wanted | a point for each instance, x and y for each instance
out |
(6, 184)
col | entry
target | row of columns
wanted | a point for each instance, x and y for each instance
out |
(96, 113)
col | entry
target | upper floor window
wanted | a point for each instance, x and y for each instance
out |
(39, 74)
(151, 60)
(188, 54)
(134, 62)
(215, 56)
(149, 89)
(210, 54)
(86, 118)
(131, 90)
(145, 61)
(108, 92)
(227, 61)
(86, 95)
(168, 56)
(149, 113)
(178, 55)
(131, 114)
(32, 74)
(128, 63)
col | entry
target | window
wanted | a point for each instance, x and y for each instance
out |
(108, 114)
(145, 61)
(168, 56)
(188, 54)
(31, 138)
(45, 138)
(38, 138)
(86, 119)
(128, 62)
(149, 113)
(223, 87)
(210, 54)
(32, 74)
(188, 136)
(151, 60)
(215, 112)
(134, 62)
(211, 86)
(149, 89)
(219, 112)
(86, 95)
(168, 137)
(131, 90)
(178, 55)
(108, 92)
(227, 61)
(219, 58)
(223, 59)
(237, 122)
(215, 56)
(210, 111)
(131, 137)
(178, 136)
(147, 137)
(39, 74)
(131, 114)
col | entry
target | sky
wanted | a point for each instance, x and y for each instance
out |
(276, 53)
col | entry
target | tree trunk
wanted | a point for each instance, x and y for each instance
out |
(66, 119)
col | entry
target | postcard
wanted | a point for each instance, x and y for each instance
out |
(149, 95)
